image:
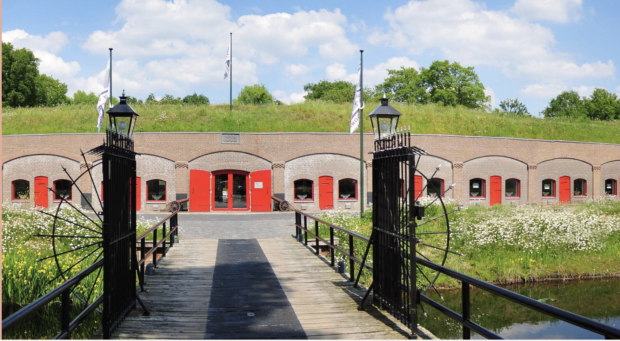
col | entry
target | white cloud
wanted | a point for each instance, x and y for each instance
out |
(559, 11)
(296, 71)
(44, 48)
(490, 92)
(542, 90)
(293, 98)
(585, 91)
(373, 76)
(465, 31)
(564, 70)
(172, 44)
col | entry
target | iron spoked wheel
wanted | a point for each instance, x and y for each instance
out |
(77, 237)
(433, 230)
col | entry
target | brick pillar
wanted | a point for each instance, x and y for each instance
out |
(532, 185)
(596, 183)
(457, 178)
(181, 181)
(277, 180)
(368, 183)
(86, 187)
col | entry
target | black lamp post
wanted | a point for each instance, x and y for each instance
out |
(122, 118)
(384, 120)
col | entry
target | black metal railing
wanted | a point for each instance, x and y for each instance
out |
(63, 292)
(466, 282)
(172, 231)
(549, 310)
(350, 254)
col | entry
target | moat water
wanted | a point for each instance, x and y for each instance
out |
(598, 300)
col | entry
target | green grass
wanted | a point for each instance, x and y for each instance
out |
(512, 260)
(307, 117)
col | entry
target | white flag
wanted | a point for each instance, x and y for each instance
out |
(103, 96)
(357, 102)
(227, 63)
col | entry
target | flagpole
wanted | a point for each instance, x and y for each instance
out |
(110, 94)
(361, 117)
(231, 71)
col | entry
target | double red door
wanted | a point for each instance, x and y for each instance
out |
(229, 190)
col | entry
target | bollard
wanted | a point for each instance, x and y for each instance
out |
(176, 239)
(300, 238)
(150, 270)
(342, 267)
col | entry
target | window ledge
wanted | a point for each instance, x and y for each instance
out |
(20, 200)
(70, 200)
(580, 196)
(477, 198)
(155, 201)
(306, 200)
(548, 197)
(513, 197)
(340, 199)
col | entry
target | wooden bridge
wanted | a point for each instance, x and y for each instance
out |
(252, 288)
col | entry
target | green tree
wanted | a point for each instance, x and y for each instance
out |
(453, 84)
(602, 105)
(196, 99)
(19, 76)
(566, 104)
(169, 99)
(513, 107)
(404, 86)
(254, 94)
(133, 100)
(151, 99)
(50, 91)
(81, 97)
(337, 91)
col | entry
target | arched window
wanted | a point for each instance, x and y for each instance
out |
(304, 190)
(477, 188)
(434, 187)
(156, 190)
(347, 189)
(580, 188)
(513, 188)
(20, 190)
(548, 188)
(611, 187)
(62, 190)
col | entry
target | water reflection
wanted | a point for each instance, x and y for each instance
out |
(595, 299)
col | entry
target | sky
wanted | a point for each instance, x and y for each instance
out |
(526, 49)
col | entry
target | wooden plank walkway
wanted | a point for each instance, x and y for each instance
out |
(323, 301)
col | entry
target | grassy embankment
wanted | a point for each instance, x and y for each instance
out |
(24, 279)
(307, 117)
(506, 244)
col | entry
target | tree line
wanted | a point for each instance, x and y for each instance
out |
(443, 82)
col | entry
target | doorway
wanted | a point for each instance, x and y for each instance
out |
(326, 193)
(565, 190)
(496, 190)
(40, 192)
(230, 191)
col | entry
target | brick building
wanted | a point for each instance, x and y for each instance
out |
(313, 171)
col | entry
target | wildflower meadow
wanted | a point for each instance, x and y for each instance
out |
(25, 278)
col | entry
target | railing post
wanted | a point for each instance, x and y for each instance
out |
(351, 262)
(331, 241)
(297, 223)
(305, 230)
(316, 231)
(154, 245)
(163, 237)
(65, 317)
(142, 266)
(466, 310)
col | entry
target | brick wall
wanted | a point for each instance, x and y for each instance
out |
(554, 169)
(312, 167)
(172, 152)
(486, 167)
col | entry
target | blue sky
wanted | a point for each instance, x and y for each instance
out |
(526, 49)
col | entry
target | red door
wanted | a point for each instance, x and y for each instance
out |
(199, 190)
(496, 190)
(565, 190)
(260, 191)
(40, 192)
(138, 194)
(326, 192)
(418, 186)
